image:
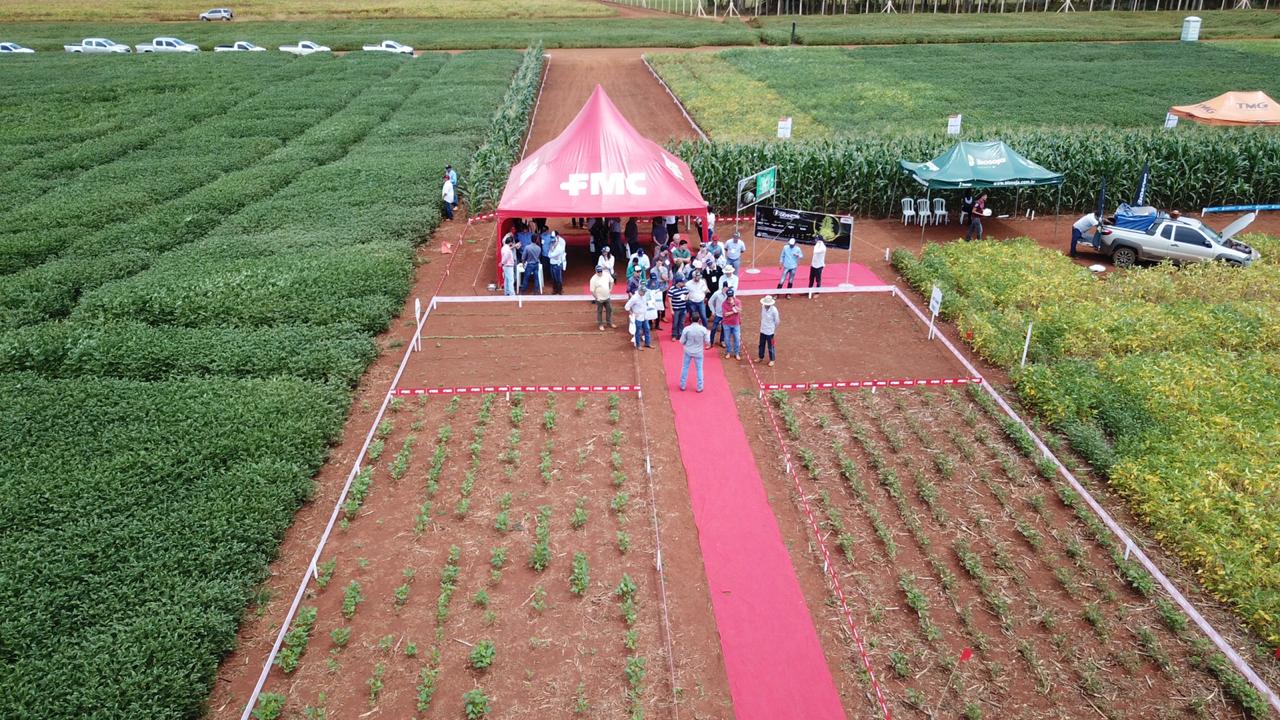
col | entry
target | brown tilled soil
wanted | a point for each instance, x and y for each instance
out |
(1087, 673)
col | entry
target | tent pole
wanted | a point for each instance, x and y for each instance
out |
(1057, 213)
(928, 200)
(1017, 196)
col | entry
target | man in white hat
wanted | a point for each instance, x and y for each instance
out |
(769, 321)
(601, 288)
(790, 260)
(817, 261)
(730, 279)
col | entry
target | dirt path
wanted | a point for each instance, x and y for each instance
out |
(573, 74)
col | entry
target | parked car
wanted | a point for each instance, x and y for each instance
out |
(390, 46)
(168, 45)
(306, 47)
(1131, 236)
(217, 14)
(239, 46)
(97, 45)
(8, 47)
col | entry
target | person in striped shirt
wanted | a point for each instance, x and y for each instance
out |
(679, 303)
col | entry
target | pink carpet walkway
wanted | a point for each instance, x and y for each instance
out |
(767, 278)
(772, 656)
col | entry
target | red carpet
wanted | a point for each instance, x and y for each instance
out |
(767, 278)
(772, 656)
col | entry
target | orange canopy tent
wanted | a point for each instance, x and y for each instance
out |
(1233, 108)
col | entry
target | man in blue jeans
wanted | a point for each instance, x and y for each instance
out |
(679, 303)
(694, 339)
(789, 260)
(531, 258)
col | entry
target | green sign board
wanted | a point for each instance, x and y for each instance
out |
(766, 183)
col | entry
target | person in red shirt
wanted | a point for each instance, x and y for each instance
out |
(732, 325)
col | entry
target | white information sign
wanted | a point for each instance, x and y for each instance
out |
(784, 127)
(935, 300)
(1170, 121)
(953, 124)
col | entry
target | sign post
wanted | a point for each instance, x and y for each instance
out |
(1170, 121)
(953, 124)
(784, 128)
(848, 266)
(766, 186)
(417, 324)
(935, 304)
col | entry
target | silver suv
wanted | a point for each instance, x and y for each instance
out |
(217, 14)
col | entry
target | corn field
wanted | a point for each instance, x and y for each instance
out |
(493, 161)
(1191, 168)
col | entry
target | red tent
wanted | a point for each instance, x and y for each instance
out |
(600, 167)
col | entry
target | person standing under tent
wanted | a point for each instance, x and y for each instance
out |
(697, 300)
(615, 237)
(532, 260)
(631, 233)
(599, 235)
(790, 261)
(447, 198)
(713, 275)
(637, 307)
(1082, 226)
(733, 251)
(679, 304)
(716, 304)
(711, 225)
(509, 265)
(680, 255)
(601, 288)
(659, 232)
(694, 339)
(769, 321)
(732, 325)
(558, 258)
(523, 235)
(606, 259)
(975, 218)
(673, 227)
(653, 303)
(966, 208)
(634, 281)
(453, 178)
(816, 263)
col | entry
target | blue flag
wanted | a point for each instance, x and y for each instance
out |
(1143, 182)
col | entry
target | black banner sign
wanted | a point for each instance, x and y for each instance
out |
(803, 227)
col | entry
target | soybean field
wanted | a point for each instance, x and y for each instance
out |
(195, 254)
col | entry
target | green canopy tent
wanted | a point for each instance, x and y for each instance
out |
(991, 164)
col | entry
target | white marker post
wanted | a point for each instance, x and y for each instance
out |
(1026, 345)
(417, 323)
(848, 266)
(935, 304)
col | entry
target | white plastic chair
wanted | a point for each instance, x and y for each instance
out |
(940, 214)
(908, 211)
(922, 211)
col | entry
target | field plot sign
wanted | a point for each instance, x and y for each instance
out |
(774, 223)
(766, 186)
(953, 124)
(784, 128)
(935, 304)
(1170, 121)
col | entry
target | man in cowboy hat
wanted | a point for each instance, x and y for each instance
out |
(769, 321)
(730, 279)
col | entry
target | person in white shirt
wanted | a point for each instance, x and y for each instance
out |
(446, 199)
(711, 224)
(1082, 226)
(556, 256)
(697, 288)
(730, 279)
(509, 265)
(606, 259)
(816, 262)
(637, 305)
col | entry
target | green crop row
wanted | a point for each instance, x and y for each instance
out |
(492, 162)
(1191, 169)
(173, 367)
(1168, 379)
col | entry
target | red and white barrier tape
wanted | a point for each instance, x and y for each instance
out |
(827, 566)
(871, 383)
(515, 388)
(481, 218)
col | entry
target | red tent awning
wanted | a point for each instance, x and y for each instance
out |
(600, 167)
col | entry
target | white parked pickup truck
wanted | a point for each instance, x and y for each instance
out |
(239, 46)
(1135, 234)
(306, 47)
(167, 45)
(97, 45)
(390, 46)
